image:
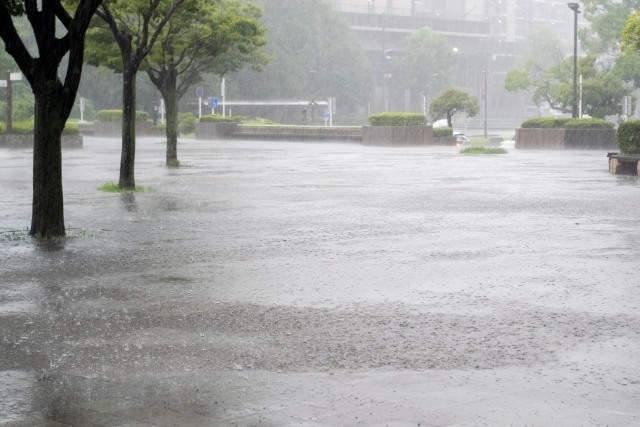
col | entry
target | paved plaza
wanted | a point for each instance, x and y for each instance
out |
(323, 284)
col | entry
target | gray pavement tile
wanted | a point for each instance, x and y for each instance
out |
(78, 417)
(377, 413)
(590, 419)
(167, 418)
(32, 422)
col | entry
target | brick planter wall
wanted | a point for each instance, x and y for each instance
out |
(450, 141)
(397, 135)
(26, 141)
(566, 139)
(215, 131)
(314, 133)
(114, 129)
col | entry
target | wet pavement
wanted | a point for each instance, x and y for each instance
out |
(299, 284)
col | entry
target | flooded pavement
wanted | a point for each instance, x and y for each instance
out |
(298, 284)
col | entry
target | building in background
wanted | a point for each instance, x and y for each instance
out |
(487, 35)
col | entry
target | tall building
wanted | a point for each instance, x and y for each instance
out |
(488, 35)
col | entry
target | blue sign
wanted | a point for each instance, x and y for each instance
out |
(326, 114)
(199, 92)
(214, 102)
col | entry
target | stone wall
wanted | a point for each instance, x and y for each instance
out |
(566, 139)
(310, 133)
(397, 135)
(26, 141)
(449, 141)
(215, 131)
(114, 129)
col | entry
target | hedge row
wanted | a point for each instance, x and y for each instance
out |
(564, 123)
(628, 136)
(26, 128)
(440, 132)
(218, 118)
(397, 119)
(116, 116)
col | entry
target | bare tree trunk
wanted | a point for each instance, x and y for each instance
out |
(172, 125)
(128, 157)
(47, 217)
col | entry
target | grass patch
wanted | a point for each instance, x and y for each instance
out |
(174, 163)
(111, 187)
(483, 150)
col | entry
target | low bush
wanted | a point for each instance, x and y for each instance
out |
(441, 132)
(26, 128)
(159, 128)
(565, 123)
(116, 116)
(628, 136)
(483, 150)
(397, 119)
(218, 118)
(258, 121)
(187, 124)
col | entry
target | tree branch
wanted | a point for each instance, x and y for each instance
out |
(14, 45)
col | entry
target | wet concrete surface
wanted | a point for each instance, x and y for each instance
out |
(278, 284)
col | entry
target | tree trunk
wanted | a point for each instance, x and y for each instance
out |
(169, 94)
(47, 217)
(128, 157)
(449, 120)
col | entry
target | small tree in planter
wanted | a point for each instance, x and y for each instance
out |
(451, 102)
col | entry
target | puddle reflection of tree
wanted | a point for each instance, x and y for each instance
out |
(129, 202)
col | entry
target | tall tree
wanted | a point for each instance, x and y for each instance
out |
(607, 19)
(203, 36)
(428, 64)
(135, 25)
(451, 102)
(54, 98)
(304, 36)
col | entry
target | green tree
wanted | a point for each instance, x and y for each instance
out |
(602, 89)
(135, 25)
(304, 36)
(427, 65)
(607, 19)
(54, 98)
(451, 102)
(208, 36)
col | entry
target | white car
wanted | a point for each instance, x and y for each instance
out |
(510, 143)
(461, 139)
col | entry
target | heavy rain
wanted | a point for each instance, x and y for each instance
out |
(319, 213)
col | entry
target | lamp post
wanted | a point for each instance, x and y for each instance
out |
(575, 7)
(486, 103)
(387, 76)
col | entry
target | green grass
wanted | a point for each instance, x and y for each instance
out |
(174, 163)
(483, 150)
(478, 140)
(111, 187)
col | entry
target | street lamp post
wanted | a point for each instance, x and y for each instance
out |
(486, 103)
(575, 7)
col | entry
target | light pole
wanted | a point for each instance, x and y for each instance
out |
(387, 76)
(575, 7)
(486, 103)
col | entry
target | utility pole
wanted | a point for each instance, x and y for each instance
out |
(575, 7)
(486, 103)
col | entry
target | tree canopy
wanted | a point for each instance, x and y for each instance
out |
(426, 54)
(607, 20)
(304, 36)
(451, 102)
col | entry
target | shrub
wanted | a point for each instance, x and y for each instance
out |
(159, 128)
(483, 150)
(116, 116)
(217, 118)
(440, 132)
(397, 119)
(564, 123)
(26, 128)
(589, 124)
(71, 129)
(187, 124)
(628, 137)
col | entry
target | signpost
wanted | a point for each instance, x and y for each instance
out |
(222, 92)
(326, 117)
(199, 94)
(214, 104)
(332, 110)
(11, 77)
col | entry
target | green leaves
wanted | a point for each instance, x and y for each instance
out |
(15, 7)
(426, 54)
(452, 101)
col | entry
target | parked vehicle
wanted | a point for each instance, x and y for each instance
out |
(510, 143)
(461, 139)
